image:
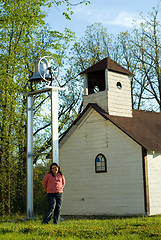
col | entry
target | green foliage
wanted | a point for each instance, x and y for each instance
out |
(94, 228)
(19, 23)
(40, 197)
(68, 5)
(24, 38)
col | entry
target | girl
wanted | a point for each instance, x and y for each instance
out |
(53, 184)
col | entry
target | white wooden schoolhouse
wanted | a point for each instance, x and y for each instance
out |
(111, 154)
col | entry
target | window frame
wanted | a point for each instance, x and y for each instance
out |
(102, 171)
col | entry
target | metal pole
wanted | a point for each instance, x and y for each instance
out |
(54, 125)
(55, 142)
(30, 157)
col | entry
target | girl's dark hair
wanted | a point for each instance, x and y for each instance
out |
(59, 170)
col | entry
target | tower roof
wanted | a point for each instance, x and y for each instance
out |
(107, 63)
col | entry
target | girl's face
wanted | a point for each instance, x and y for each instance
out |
(54, 169)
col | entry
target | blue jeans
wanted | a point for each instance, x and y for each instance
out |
(55, 201)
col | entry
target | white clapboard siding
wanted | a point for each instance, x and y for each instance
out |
(119, 100)
(100, 98)
(154, 179)
(120, 191)
(113, 100)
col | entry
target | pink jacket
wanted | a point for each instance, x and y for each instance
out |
(53, 184)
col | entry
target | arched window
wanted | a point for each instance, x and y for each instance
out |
(100, 163)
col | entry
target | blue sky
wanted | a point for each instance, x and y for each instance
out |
(115, 15)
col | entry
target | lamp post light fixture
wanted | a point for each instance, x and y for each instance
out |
(46, 70)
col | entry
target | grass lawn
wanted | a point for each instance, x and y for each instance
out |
(91, 228)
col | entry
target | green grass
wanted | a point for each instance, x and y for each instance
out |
(112, 228)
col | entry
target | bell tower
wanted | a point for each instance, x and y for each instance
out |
(109, 85)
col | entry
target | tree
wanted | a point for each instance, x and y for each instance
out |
(89, 49)
(138, 51)
(18, 20)
(25, 39)
(68, 6)
(147, 42)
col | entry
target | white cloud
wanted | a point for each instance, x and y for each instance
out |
(123, 19)
(105, 16)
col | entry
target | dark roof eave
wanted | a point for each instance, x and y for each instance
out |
(155, 146)
(76, 120)
(108, 118)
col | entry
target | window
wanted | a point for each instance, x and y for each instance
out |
(119, 85)
(100, 163)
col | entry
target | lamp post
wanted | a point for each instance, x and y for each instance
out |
(42, 73)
